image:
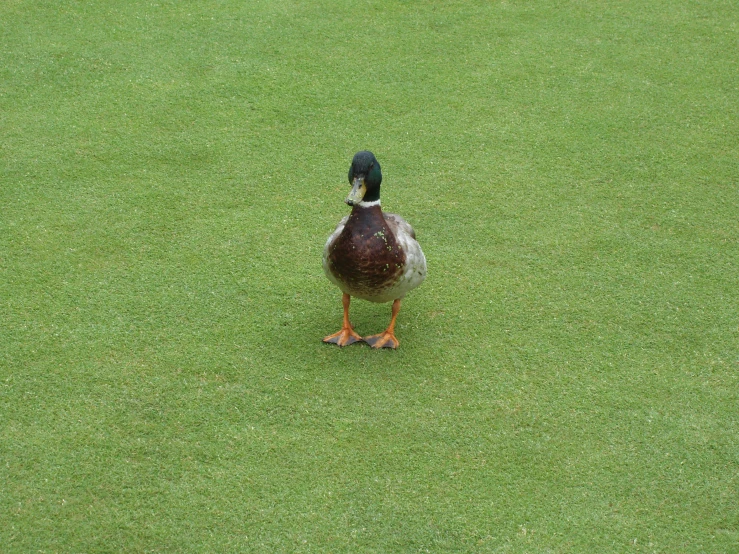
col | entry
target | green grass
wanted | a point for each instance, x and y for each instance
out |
(568, 376)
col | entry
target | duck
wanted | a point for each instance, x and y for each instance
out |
(371, 255)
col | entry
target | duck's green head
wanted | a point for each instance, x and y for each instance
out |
(365, 177)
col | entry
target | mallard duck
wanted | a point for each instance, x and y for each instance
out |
(371, 255)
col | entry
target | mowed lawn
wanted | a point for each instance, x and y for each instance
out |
(568, 374)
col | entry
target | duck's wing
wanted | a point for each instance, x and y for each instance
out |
(338, 230)
(399, 226)
(327, 249)
(333, 237)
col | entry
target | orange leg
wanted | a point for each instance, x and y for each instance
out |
(346, 335)
(386, 339)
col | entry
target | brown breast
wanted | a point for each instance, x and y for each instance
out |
(365, 256)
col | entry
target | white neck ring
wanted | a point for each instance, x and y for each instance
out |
(364, 204)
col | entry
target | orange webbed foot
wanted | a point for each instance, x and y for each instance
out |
(344, 337)
(347, 335)
(383, 340)
(387, 338)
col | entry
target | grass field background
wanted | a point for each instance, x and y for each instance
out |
(568, 375)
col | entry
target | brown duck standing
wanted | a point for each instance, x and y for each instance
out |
(371, 255)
